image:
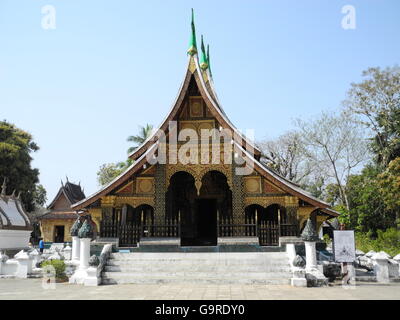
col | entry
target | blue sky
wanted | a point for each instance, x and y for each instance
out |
(110, 66)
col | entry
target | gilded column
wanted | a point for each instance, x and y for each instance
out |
(237, 197)
(159, 197)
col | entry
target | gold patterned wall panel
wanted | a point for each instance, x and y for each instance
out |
(135, 201)
(198, 172)
(144, 185)
(270, 188)
(197, 125)
(108, 201)
(264, 201)
(196, 107)
(252, 184)
(127, 188)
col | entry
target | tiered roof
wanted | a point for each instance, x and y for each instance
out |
(12, 212)
(199, 71)
(60, 208)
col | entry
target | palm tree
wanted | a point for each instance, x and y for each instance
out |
(144, 133)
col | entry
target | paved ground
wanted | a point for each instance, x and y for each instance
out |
(32, 289)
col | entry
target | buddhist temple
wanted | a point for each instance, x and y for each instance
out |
(15, 224)
(201, 189)
(57, 222)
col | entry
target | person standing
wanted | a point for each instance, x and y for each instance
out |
(41, 245)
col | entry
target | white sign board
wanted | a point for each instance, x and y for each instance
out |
(344, 246)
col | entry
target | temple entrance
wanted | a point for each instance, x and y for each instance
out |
(59, 234)
(206, 216)
(198, 212)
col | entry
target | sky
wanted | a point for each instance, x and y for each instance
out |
(107, 67)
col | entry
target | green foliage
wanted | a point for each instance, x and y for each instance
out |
(375, 102)
(16, 147)
(367, 208)
(388, 241)
(389, 182)
(144, 133)
(40, 195)
(109, 172)
(327, 240)
(58, 265)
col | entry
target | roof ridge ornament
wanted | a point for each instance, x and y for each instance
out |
(203, 57)
(192, 43)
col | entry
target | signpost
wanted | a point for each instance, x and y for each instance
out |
(344, 249)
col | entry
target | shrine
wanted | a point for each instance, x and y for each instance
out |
(196, 194)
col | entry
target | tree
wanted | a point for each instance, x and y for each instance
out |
(389, 182)
(335, 147)
(375, 103)
(368, 212)
(107, 172)
(40, 195)
(144, 133)
(285, 155)
(16, 147)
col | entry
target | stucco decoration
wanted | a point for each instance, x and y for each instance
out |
(299, 261)
(94, 261)
(309, 233)
(75, 227)
(86, 231)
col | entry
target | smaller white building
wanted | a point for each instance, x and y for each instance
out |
(15, 225)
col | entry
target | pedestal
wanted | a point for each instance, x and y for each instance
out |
(311, 255)
(24, 265)
(91, 278)
(81, 273)
(75, 249)
(381, 267)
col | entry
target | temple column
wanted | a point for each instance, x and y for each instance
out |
(237, 197)
(159, 196)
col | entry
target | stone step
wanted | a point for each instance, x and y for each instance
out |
(196, 275)
(197, 268)
(174, 261)
(199, 256)
(285, 281)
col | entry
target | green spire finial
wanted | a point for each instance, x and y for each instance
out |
(203, 57)
(208, 59)
(192, 43)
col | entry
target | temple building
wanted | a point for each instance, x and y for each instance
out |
(56, 224)
(15, 224)
(200, 188)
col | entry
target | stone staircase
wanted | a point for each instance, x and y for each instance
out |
(197, 267)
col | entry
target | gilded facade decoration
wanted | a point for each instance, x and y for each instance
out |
(198, 171)
(196, 107)
(145, 185)
(127, 188)
(108, 201)
(197, 125)
(252, 184)
(265, 201)
(135, 201)
(237, 197)
(192, 65)
(159, 196)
